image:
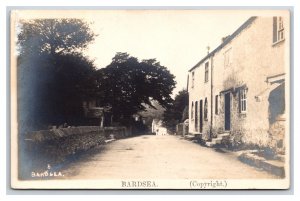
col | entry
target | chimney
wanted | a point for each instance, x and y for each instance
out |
(208, 48)
(224, 38)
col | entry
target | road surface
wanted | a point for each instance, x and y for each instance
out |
(160, 157)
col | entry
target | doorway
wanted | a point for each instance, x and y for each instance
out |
(196, 116)
(276, 103)
(227, 111)
(201, 115)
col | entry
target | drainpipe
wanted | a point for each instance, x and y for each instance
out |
(211, 96)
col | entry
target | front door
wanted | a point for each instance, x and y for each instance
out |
(227, 111)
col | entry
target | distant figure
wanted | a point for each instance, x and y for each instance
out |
(155, 125)
(161, 131)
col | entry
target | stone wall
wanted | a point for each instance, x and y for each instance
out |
(179, 129)
(182, 129)
(117, 132)
(61, 142)
(277, 138)
(39, 148)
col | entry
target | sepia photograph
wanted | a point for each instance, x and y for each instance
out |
(150, 99)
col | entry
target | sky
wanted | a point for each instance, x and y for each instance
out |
(178, 39)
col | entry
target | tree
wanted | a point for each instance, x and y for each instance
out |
(53, 76)
(54, 36)
(128, 84)
(176, 112)
(72, 83)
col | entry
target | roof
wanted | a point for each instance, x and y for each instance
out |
(226, 41)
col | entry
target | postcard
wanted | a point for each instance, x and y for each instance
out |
(150, 99)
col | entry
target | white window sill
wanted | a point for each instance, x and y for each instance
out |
(277, 42)
(243, 114)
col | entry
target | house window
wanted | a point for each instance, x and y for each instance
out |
(216, 104)
(205, 109)
(193, 79)
(227, 58)
(192, 111)
(278, 29)
(243, 100)
(206, 72)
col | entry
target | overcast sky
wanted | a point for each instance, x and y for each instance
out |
(178, 39)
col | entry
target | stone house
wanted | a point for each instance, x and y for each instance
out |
(238, 90)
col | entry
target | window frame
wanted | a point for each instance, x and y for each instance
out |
(206, 72)
(193, 79)
(227, 58)
(243, 100)
(278, 29)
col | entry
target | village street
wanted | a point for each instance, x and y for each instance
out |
(159, 157)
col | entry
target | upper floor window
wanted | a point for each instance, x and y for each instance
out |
(227, 58)
(278, 29)
(206, 72)
(193, 79)
(243, 100)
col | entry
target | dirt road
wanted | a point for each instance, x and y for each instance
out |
(160, 157)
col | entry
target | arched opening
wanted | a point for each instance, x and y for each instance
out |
(276, 103)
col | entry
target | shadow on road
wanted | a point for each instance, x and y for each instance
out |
(219, 150)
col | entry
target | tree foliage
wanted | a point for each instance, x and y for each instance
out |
(54, 36)
(177, 111)
(128, 84)
(53, 77)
